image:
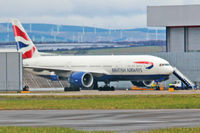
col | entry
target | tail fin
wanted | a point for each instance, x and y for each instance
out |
(24, 43)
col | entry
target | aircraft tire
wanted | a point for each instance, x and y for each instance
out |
(112, 88)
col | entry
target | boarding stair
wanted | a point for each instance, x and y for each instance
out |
(186, 81)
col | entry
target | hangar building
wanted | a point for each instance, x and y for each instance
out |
(182, 24)
(11, 71)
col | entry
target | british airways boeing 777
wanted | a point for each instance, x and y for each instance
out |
(87, 71)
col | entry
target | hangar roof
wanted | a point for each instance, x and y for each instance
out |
(176, 15)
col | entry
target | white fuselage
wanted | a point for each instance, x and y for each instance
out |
(109, 65)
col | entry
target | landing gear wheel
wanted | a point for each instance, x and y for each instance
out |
(112, 88)
(106, 88)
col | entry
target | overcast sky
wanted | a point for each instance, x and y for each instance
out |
(99, 13)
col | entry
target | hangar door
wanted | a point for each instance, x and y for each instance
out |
(10, 71)
(193, 38)
(175, 39)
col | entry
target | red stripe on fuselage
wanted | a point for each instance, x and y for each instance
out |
(18, 32)
(144, 62)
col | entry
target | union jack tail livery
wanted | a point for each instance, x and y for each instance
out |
(24, 43)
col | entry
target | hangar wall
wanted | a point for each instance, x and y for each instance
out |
(10, 71)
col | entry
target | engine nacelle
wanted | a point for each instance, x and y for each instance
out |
(145, 83)
(81, 79)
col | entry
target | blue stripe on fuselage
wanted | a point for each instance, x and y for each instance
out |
(131, 77)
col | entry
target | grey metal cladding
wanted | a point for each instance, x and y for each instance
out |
(194, 38)
(3, 70)
(176, 40)
(176, 15)
(10, 71)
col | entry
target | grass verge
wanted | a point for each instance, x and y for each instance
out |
(129, 50)
(70, 130)
(44, 130)
(109, 51)
(187, 101)
(174, 130)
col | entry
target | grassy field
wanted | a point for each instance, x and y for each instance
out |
(115, 51)
(174, 130)
(43, 130)
(69, 130)
(131, 50)
(190, 101)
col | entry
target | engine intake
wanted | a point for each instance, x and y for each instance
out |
(81, 79)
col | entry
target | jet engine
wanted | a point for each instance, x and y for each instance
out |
(145, 83)
(81, 79)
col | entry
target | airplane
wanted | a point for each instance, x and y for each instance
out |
(86, 71)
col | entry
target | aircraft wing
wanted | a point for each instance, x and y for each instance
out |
(57, 69)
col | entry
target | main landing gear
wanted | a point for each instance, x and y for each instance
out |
(107, 87)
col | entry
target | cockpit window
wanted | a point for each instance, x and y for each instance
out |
(164, 65)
